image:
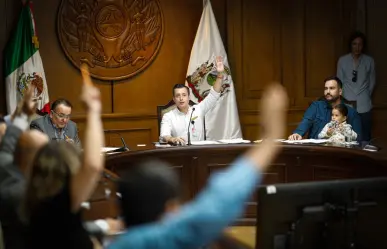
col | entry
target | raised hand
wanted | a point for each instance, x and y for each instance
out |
(274, 106)
(27, 105)
(219, 64)
(90, 94)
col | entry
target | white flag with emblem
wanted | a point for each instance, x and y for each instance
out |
(222, 121)
(22, 62)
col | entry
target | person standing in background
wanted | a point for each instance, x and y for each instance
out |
(357, 72)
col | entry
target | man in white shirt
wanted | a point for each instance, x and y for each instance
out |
(174, 125)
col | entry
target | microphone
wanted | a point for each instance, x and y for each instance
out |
(189, 124)
(123, 148)
(123, 142)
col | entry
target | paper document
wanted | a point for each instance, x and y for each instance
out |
(163, 145)
(306, 141)
(277, 140)
(107, 149)
(204, 142)
(234, 141)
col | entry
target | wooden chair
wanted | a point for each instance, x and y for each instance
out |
(162, 109)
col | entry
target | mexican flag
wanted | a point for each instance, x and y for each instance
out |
(222, 122)
(22, 62)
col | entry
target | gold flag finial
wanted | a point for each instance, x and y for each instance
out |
(35, 41)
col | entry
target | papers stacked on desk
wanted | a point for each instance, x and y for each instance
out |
(234, 141)
(277, 140)
(223, 141)
(108, 149)
(306, 141)
(206, 142)
(161, 145)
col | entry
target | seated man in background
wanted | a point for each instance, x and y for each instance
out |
(57, 124)
(319, 112)
(150, 199)
(174, 125)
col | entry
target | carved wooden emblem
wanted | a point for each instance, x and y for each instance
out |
(116, 38)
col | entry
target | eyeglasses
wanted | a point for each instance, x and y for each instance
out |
(61, 115)
(354, 76)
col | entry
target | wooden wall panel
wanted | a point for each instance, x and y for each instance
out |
(376, 19)
(63, 79)
(261, 51)
(295, 42)
(322, 42)
(153, 87)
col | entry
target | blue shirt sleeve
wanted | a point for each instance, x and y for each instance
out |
(307, 120)
(203, 220)
(356, 124)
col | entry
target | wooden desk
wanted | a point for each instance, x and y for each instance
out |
(296, 163)
(244, 235)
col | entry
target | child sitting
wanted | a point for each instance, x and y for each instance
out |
(338, 129)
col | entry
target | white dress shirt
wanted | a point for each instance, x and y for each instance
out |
(175, 123)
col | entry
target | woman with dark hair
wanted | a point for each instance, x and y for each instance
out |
(60, 180)
(357, 72)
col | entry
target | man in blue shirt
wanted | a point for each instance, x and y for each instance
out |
(319, 112)
(150, 193)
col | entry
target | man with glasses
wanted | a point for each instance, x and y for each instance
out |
(57, 124)
(357, 72)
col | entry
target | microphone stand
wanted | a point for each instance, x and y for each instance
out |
(122, 149)
(189, 124)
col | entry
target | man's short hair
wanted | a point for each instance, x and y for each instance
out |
(357, 34)
(178, 86)
(145, 190)
(335, 78)
(61, 101)
(2, 120)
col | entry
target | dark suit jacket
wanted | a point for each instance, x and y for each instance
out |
(44, 125)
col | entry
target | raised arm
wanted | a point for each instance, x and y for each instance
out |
(19, 119)
(84, 182)
(219, 77)
(214, 94)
